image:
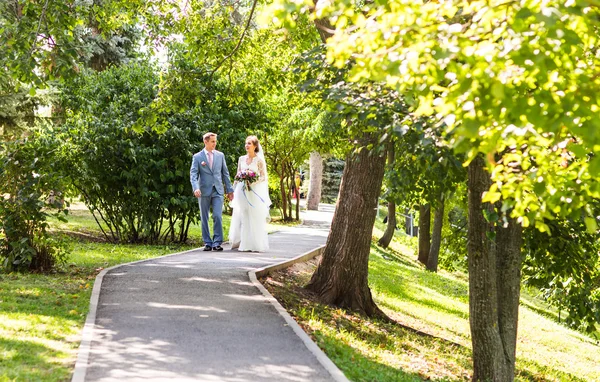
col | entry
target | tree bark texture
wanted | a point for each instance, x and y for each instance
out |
(509, 241)
(341, 278)
(391, 226)
(323, 26)
(297, 204)
(494, 279)
(385, 240)
(316, 179)
(436, 237)
(424, 233)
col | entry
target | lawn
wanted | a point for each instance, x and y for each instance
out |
(429, 336)
(42, 315)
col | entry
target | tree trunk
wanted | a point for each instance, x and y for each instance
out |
(316, 179)
(424, 233)
(509, 241)
(494, 284)
(436, 237)
(298, 204)
(391, 226)
(342, 276)
(283, 196)
(290, 183)
(391, 223)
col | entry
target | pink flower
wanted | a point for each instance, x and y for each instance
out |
(203, 163)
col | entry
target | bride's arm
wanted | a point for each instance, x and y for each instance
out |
(262, 168)
(235, 182)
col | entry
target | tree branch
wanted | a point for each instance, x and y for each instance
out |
(42, 16)
(239, 43)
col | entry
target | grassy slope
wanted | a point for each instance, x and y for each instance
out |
(437, 304)
(41, 316)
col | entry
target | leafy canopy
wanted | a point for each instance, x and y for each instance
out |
(514, 80)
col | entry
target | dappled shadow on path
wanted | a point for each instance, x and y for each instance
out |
(197, 316)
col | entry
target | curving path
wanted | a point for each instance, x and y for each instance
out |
(196, 316)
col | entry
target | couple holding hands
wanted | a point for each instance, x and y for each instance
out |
(249, 195)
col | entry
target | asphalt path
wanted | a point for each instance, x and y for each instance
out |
(196, 316)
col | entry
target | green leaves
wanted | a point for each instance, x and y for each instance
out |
(510, 80)
(32, 187)
(591, 225)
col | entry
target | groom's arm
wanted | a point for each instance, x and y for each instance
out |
(225, 174)
(194, 176)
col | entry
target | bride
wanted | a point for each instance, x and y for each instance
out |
(248, 229)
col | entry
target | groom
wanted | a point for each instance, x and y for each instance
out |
(207, 174)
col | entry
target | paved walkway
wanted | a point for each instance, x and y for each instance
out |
(196, 316)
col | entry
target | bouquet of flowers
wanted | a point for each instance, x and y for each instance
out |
(246, 176)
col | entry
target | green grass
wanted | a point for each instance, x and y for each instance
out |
(42, 315)
(437, 304)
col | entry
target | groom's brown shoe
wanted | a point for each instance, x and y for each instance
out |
(207, 248)
(217, 248)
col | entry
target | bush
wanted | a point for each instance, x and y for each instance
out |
(134, 179)
(27, 178)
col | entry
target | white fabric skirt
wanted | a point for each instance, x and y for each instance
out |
(248, 229)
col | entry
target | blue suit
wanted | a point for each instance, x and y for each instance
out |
(210, 183)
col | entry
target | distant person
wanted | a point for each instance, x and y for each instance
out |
(207, 175)
(297, 184)
(251, 202)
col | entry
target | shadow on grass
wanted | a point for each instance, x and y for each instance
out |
(357, 344)
(29, 361)
(394, 279)
(395, 256)
(36, 294)
(529, 370)
(356, 366)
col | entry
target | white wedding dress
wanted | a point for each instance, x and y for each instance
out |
(248, 229)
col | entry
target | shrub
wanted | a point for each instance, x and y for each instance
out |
(27, 178)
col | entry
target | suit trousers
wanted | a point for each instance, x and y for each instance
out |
(215, 201)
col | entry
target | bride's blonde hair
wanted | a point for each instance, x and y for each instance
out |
(254, 140)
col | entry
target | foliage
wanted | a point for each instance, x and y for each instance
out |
(453, 252)
(43, 41)
(16, 109)
(287, 146)
(565, 266)
(425, 169)
(28, 179)
(114, 48)
(333, 169)
(512, 80)
(134, 183)
(133, 174)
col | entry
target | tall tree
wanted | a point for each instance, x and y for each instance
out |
(510, 83)
(316, 179)
(385, 240)
(424, 233)
(436, 236)
(342, 275)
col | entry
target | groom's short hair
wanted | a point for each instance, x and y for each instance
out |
(207, 136)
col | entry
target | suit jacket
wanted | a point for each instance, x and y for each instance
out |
(204, 178)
